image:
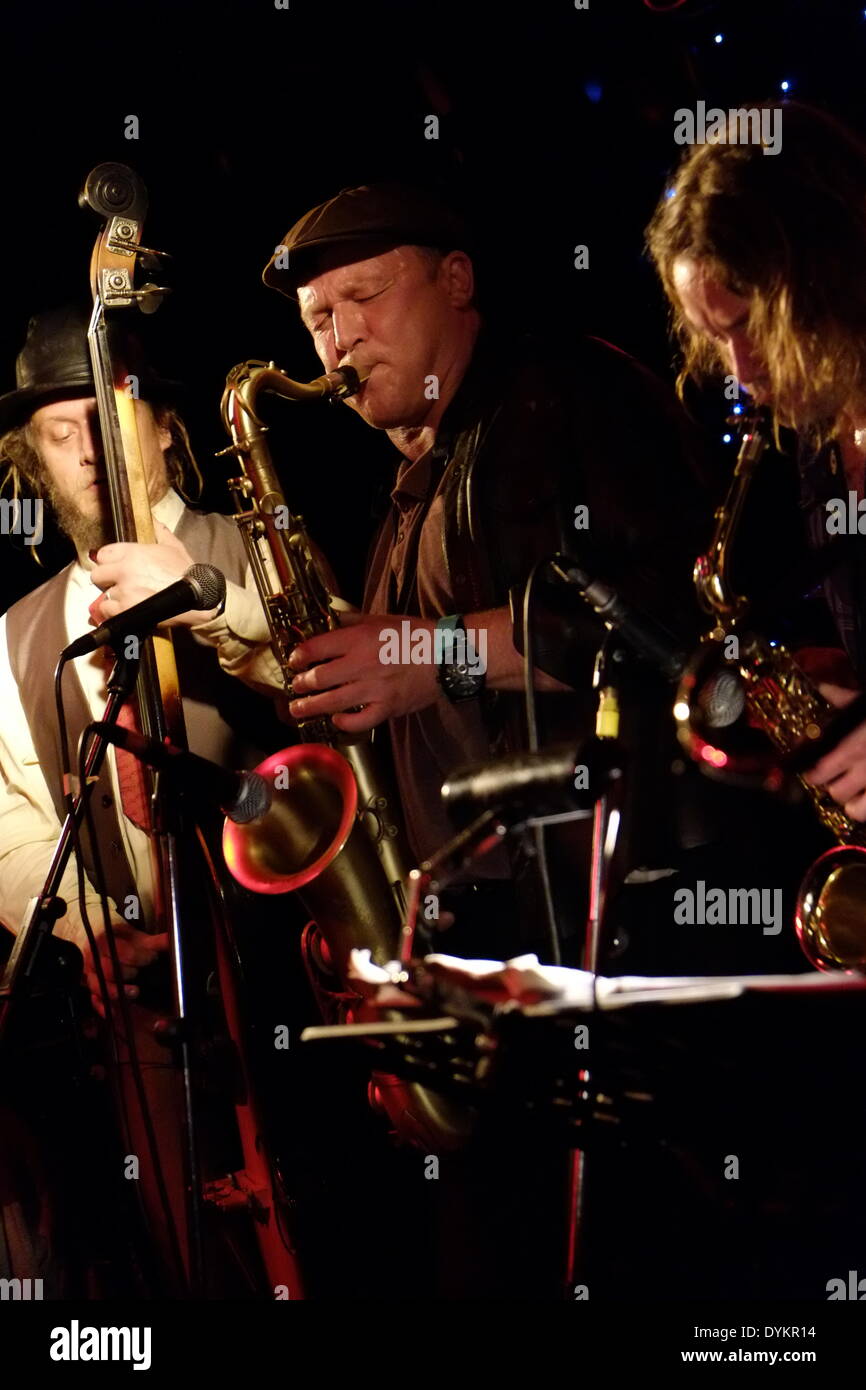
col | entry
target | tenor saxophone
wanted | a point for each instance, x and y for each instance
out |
(333, 833)
(780, 700)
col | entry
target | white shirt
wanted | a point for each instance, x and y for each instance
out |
(29, 827)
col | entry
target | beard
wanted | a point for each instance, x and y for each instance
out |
(85, 532)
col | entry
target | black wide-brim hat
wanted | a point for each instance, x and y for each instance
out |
(362, 222)
(54, 365)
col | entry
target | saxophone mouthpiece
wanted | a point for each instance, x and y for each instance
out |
(346, 381)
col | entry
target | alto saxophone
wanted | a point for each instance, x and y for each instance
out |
(780, 699)
(332, 833)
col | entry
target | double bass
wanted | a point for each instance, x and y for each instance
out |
(179, 849)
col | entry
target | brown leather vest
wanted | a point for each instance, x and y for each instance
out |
(225, 720)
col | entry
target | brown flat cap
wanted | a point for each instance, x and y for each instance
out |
(384, 213)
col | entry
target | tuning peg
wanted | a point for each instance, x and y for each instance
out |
(150, 297)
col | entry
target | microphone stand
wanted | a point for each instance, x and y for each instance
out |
(605, 829)
(45, 910)
(457, 854)
(176, 1033)
(605, 825)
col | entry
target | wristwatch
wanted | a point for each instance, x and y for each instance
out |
(454, 655)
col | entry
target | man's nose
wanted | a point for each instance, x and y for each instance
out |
(348, 326)
(91, 441)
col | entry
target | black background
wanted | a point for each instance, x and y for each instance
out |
(249, 115)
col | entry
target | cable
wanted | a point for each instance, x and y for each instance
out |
(62, 730)
(82, 879)
(538, 831)
(126, 1017)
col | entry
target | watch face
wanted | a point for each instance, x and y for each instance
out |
(458, 684)
(456, 678)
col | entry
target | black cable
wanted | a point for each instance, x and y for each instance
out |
(528, 659)
(126, 1017)
(69, 802)
(538, 831)
(62, 730)
(82, 879)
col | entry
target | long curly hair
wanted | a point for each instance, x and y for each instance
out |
(787, 232)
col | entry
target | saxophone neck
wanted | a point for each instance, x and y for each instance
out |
(714, 590)
(248, 380)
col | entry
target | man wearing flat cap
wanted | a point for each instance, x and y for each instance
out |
(51, 443)
(501, 449)
(500, 446)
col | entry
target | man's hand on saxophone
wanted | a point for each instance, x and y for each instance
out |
(343, 669)
(385, 662)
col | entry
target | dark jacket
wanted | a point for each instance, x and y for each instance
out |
(525, 441)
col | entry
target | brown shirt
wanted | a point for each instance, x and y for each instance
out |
(408, 576)
(526, 438)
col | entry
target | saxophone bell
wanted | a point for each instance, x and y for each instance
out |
(713, 724)
(829, 917)
(309, 820)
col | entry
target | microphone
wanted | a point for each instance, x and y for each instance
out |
(202, 587)
(563, 777)
(242, 796)
(647, 638)
(722, 699)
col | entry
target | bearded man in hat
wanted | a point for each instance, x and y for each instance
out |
(49, 437)
(52, 445)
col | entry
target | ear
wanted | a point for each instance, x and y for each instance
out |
(459, 278)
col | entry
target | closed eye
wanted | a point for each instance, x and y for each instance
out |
(363, 298)
(321, 323)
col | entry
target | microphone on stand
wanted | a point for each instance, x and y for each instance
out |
(647, 638)
(242, 796)
(564, 777)
(723, 698)
(201, 588)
